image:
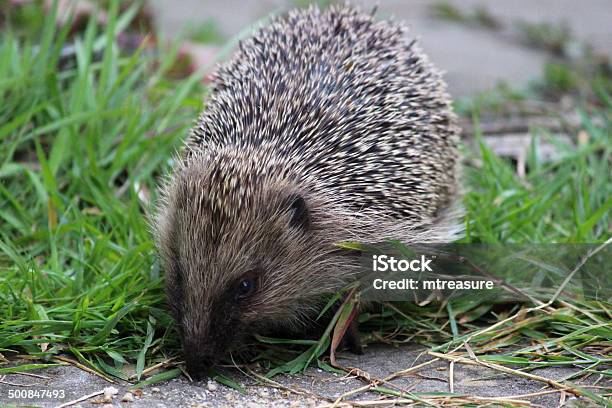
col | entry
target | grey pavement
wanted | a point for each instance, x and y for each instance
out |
(473, 58)
(315, 388)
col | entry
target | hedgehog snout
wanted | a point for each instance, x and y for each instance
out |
(199, 360)
(207, 336)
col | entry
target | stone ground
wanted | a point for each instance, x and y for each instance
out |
(315, 388)
(474, 60)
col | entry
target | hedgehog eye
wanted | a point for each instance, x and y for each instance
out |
(245, 288)
(300, 216)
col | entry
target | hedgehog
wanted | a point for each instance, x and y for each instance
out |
(326, 126)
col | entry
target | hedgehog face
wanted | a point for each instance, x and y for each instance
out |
(244, 267)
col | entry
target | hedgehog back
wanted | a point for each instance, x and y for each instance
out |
(348, 105)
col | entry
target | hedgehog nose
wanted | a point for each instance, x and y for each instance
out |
(198, 366)
(198, 357)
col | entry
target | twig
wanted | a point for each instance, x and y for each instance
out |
(83, 367)
(364, 388)
(507, 370)
(410, 370)
(580, 264)
(388, 378)
(562, 399)
(432, 400)
(42, 377)
(531, 394)
(84, 398)
(435, 399)
(2, 381)
(451, 375)
(297, 391)
(154, 367)
(521, 312)
(370, 403)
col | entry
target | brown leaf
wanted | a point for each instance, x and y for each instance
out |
(348, 310)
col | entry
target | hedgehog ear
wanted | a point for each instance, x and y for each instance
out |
(298, 211)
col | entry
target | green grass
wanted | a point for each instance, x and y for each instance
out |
(82, 138)
(566, 200)
(77, 145)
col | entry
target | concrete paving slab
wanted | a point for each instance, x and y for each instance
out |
(474, 59)
(312, 388)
